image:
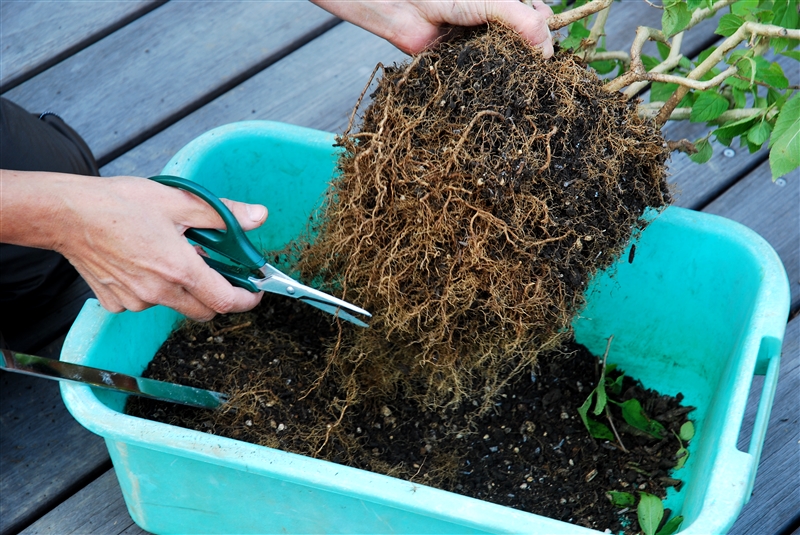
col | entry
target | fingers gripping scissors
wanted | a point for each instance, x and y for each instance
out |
(251, 270)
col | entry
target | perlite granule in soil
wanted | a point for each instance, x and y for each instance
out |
(481, 190)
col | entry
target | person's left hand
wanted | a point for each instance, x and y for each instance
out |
(414, 25)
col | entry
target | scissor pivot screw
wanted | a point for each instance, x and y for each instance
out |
(290, 290)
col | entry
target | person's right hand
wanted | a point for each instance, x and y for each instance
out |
(124, 235)
(415, 25)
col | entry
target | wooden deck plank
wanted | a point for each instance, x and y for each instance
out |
(153, 71)
(44, 452)
(316, 86)
(97, 508)
(36, 35)
(776, 494)
(772, 209)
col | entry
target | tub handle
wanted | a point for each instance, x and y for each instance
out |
(772, 354)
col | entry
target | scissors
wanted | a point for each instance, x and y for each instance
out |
(251, 270)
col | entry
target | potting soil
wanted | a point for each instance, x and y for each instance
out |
(531, 451)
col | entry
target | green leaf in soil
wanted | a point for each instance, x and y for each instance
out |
(596, 429)
(671, 526)
(616, 386)
(784, 155)
(759, 133)
(649, 513)
(728, 24)
(675, 18)
(634, 415)
(708, 106)
(602, 399)
(704, 151)
(681, 456)
(621, 499)
(686, 432)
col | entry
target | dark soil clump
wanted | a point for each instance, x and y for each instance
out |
(484, 188)
(530, 451)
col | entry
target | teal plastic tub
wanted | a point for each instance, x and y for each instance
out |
(701, 309)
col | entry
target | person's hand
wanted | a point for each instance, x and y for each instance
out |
(124, 235)
(414, 25)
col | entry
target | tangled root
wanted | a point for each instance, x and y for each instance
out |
(485, 187)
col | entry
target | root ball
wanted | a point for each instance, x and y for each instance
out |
(485, 187)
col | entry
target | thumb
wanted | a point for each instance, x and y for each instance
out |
(249, 216)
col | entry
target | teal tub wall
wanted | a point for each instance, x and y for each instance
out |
(701, 309)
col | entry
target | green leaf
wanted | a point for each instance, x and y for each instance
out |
(708, 106)
(686, 432)
(704, 151)
(675, 18)
(660, 92)
(794, 54)
(730, 130)
(786, 14)
(744, 7)
(601, 394)
(695, 4)
(704, 54)
(663, 50)
(634, 415)
(773, 75)
(728, 24)
(596, 429)
(621, 499)
(649, 62)
(738, 83)
(604, 66)
(681, 456)
(649, 513)
(784, 155)
(759, 133)
(616, 386)
(672, 526)
(739, 98)
(577, 33)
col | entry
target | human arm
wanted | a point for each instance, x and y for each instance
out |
(124, 235)
(414, 25)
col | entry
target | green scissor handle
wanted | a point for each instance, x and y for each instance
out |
(231, 243)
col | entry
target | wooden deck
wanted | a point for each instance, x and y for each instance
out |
(139, 79)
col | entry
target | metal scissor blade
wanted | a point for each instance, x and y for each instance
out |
(139, 386)
(335, 311)
(279, 283)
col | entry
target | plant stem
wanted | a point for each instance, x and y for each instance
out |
(556, 22)
(670, 62)
(748, 30)
(648, 111)
(608, 413)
